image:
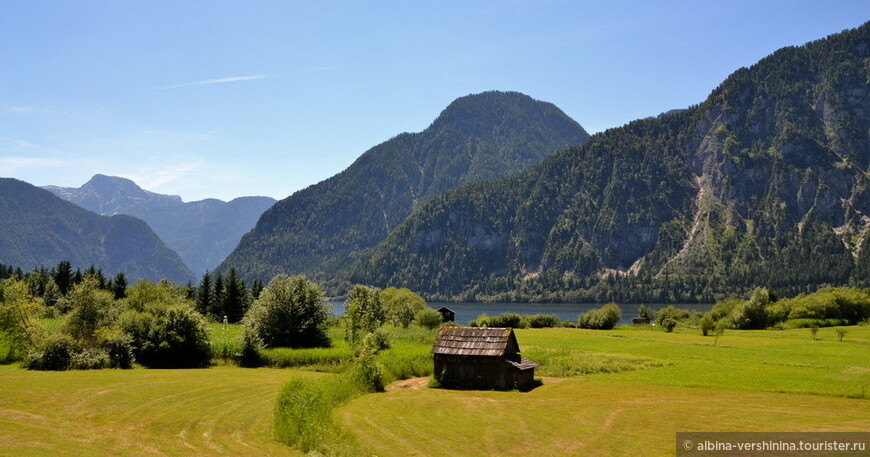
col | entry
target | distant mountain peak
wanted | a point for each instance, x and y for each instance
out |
(118, 187)
(202, 232)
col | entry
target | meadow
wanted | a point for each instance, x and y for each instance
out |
(625, 391)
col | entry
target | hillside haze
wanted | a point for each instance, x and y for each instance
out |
(764, 183)
(321, 229)
(201, 232)
(39, 229)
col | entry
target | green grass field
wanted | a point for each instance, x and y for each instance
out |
(621, 392)
(643, 387)
(217, 411)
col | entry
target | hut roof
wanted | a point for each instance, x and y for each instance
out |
(476, 341)
(444, 308)
(519, 361)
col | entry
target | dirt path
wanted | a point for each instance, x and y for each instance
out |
(413, 384)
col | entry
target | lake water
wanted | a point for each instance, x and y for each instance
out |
(466, 312)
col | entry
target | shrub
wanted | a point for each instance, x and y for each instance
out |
(290, 312)
(363, 313)
(118, 346)
(54, 353)
(376, 341)
(90, 309)
(401, 305)
(89, 358)
(807, 323)
(512, 320)
(604, 318)
(481, 321)
(428, 318)
(19, 319)
(249, 356)
(543, 320)
(669, 324)
(176, 338)
(752, 314)
(366, 374)
(707, 324)
(645, 312)
(841, 333)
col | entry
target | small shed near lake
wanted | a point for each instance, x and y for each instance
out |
(447, 314)
(481, 358)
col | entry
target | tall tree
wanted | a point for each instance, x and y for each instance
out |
(204, 295)
(235, 297)
(217, 304)
(119, 286)
(63, 276)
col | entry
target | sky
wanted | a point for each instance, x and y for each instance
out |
(221, 99)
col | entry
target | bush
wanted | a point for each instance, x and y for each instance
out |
(376, 341)
(512, 320)
(89, 358)
(290, 312)
(401, 305)
(19, 319)
(481, 321)
(646, 313)
(249, 356)
(752, 314)
(604, 318)
(363, 313)
(118, 346)
(54, 353)
(669, 324)
(428, 318)
(366, 374)
(543, 320)
(807, 323)
(176, 338)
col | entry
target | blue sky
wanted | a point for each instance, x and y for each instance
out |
(223, 99)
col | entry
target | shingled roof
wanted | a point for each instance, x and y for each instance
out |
(476, 341)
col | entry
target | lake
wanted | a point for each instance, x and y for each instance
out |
(466, 312)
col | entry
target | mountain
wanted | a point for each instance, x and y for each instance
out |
(39, 229)
(201, 232)
(764, 183)
(321, 229)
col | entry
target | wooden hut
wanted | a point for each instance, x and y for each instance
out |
(447, 314)
(481, 358)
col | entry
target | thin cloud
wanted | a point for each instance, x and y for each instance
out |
(205, 82)
(153, 178)
(13, 164)
(10, 109)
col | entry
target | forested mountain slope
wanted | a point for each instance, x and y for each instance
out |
(322, 228)
(201, 232)
(39, 229)
(763, 183)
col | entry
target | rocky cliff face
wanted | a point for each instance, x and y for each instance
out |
(765, 182)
